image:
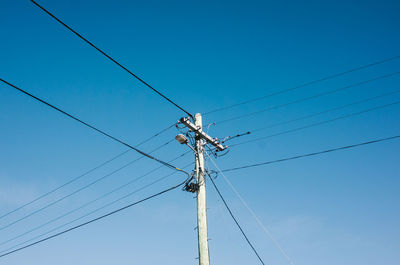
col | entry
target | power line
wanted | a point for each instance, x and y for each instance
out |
(313, 154)
(95, 200)
(327, 111)
(318, 123)
(266, 231)
(308, 98)
(112, 59)
(95, 219)
(94, 128)
(305, 84)
(229, 231)
(79, 189)
(87, 214)
(234, 219)
(84, 174)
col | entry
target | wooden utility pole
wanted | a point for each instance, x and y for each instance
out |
(204, 258)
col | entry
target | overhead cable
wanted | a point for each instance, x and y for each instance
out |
(313, 154)
(318, 123)
(111, 58)
(306, 84)
(326, 111)
(93, 201)
(95, 219)
(236, 222)
(79, 189)
(309, 97)
(266, 231)
(90, 213)
(94, 128)
(82, 175)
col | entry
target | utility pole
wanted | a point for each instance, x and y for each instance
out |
(204, 257)
(201, 138)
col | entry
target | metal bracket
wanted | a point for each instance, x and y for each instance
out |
(213, 141)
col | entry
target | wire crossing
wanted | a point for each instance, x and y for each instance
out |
(112, 59)
(306, 84)
(94, 128)
(314, 154)
(236, 222)
(95, 219)
(84, 174)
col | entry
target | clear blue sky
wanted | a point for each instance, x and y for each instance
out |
(338, 208)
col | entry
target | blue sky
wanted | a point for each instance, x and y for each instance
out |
(338, 208)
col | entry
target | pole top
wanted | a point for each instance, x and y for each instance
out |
(198, 130)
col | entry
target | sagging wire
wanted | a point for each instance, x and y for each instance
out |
(223, 153)
(217, 153)
(192, 139)
(177, 126)
(190, 185)
(209, 125)
(211, 151)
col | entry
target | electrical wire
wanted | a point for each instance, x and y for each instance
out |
(236, 222)
(90, 202)
(84, 174)
(308, 98)
(228, 138)
(94, 200)
(317, 123)
(326, 111)
(313, 154)
(79, 189)
(266, 231)
(112, 59)
(95, 219)
(94, 128)
(305, 84)
(229, 230)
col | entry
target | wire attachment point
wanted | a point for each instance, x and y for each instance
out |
(191, 187)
